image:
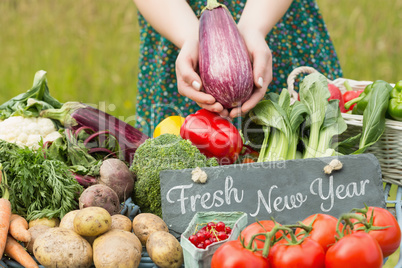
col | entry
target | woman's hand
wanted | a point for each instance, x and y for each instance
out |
(189, 82)
(261, 59)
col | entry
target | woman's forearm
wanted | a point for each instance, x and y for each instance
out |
(173, 19)
(262, 15)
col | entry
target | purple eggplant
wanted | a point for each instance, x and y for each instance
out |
(76, 115)
(224, 62)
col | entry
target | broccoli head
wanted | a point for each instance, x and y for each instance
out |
(165, 152)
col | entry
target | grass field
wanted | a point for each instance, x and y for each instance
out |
(90, 47)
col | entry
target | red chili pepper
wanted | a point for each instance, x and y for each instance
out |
(350, 95)
(213, 135)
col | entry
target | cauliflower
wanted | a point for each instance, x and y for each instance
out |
(28, 131)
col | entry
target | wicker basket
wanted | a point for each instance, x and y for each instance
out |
(388, 149)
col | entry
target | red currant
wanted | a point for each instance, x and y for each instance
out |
(228, 230)
(207, 235)
(193, 239)
(201, 237)
(222, 235)
(211, 225)
(207, 243)
(220, 226)
(200, 245)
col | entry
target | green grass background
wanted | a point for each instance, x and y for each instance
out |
(89, 48)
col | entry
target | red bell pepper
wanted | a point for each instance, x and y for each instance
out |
(336, 94)
(213, 135)
(248, 155)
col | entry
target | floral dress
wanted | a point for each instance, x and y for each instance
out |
(300, 38)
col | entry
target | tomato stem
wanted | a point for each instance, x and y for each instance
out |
(346, 217)
(361, 210)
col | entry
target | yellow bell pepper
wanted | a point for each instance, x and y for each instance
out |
(169, 125)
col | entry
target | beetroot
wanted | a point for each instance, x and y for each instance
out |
(100, 195)
(115, 174)
(224, 62)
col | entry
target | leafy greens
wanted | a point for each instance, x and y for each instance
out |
(38, 187)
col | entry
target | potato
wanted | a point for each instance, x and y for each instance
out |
(92, 221)
(68, 220)
(60, 247)
(145, 224)
(121, 222)
(35, 232)
(53, 222)
(117, 248)
(165, 250)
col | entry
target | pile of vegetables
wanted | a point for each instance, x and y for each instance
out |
(360, 238)
(89, 165)
(77, 160)
(310, 127)
(355, 102)
(68, 167)
(51, 161)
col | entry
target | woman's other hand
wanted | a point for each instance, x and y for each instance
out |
(256, 21)
(189, 82)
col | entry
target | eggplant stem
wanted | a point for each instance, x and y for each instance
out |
(212, 4)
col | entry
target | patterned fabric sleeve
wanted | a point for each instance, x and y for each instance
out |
(300, 38)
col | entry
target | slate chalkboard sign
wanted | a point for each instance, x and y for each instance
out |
(288, 190)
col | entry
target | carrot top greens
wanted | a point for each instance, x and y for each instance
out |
(38, 187)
